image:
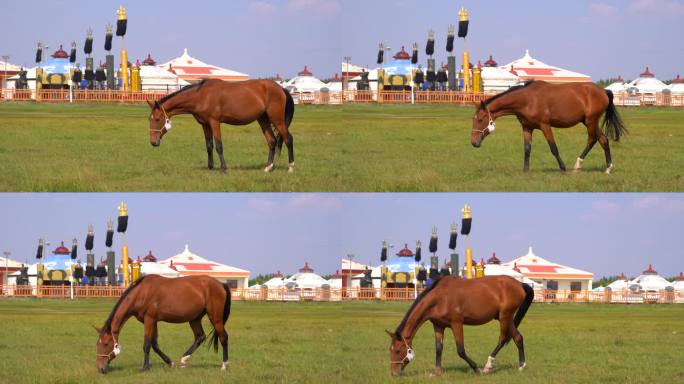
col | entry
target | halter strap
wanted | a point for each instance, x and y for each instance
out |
(409, 350)
(166, 118)
(491, 121)
(109, 355)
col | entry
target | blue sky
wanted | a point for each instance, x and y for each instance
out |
(601, 38)
(602, 233)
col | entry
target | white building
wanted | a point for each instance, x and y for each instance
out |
(529, 68)
(306, 279)
(551, 275)
(190, 264)
(305, 82)
(193, 70)
(650, 281)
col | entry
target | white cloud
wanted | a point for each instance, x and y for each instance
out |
(320, 6)
(662, 7)
(262, 7)
(603, 9)
(313, 200)
(670, 204)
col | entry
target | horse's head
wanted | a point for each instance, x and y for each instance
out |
(160, 123)
(107, 349)
(401, 353)
(483, 124)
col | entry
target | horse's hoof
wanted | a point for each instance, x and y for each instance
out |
(269, 168)
(522, 367)
(224, 365)
(609, 170)
(290, 167)
(480, 372)
(436, 372)
(224, 170)
(144, 369)
(171, 364)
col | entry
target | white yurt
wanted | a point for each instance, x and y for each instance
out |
(621, 284)
(650, 280)
(678, 284)
(618, 86)
(306, 279)
(153, 78)
(305, 82)
(277, 281)
(497, 79)
(335, 281)
(677, 86)
(493, 267)
(149, 266)
(647, 83)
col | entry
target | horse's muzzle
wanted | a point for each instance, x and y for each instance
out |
(103, 370)
(155, 143)
(476, 144)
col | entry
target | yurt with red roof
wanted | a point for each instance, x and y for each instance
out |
(190, 264)
(194, 70)
(551, 275)
(529, 68)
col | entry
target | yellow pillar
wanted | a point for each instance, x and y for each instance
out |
(466, 72)
(477, 79)
(469, 263)
(135, 79)
(124, 70)
(135, 271)
(124, 253)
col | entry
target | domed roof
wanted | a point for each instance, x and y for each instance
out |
(150, 257)
(490, 62)
(493, 259)
(680, 276)
(405, 252)
(149, 60)
(306, 268)
(402, 55)
(60, 53)
(61, 250)
(677, 80)
(650, 271)
(305, 72)
(647, 73)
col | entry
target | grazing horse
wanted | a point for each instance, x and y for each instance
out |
(451, 302)
(154, 298)
(212, 102)
(540, 105)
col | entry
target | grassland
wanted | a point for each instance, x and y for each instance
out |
(387, 148)
(51, 341)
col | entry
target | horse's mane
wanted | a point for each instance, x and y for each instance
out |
(420, 297)
(509, 90)
(186, 88)
(108, 323)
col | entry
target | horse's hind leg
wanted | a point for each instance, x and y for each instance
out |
(216, 133)
(546, 129)
(505, 323)
(457, 329)
(603, 140)
(592, 133)
(285, 135)
(518, 339)
(439, 345)
(265, 124)
(157, 350)
(198, 332)
(527, 138)
(210, 145)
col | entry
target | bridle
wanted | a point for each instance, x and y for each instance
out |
(116, 350)
(490, 127)
(167, 123)
(410, 354)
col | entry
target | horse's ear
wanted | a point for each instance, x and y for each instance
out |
(151, 104)
(391, 334)
(482, 105)
(156, 104)
(97, 329)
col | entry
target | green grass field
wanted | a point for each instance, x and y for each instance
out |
(51, 341)
(101, 147)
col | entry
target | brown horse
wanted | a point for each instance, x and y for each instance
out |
(154, 298)
(540, 105)
(212, 102)
(451, 302)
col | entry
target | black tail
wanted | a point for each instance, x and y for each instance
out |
(226, 312)
(289, 114)
(529, 297)
(612, 124)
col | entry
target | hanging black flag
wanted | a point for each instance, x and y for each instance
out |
(433, 241)
(108, 38)
(123, 218)
(78, 272)
(453, 236)
(430, 46)
(88, 47)
(90, 238)
(100, 74)
(381, 54)
(422, 274)
(450, 39)
(466, 221)
(39, 53)
(383, 253)
(414, 56)
(72, 56)
(110, 234)
(39, 252)
(420, 77)
(121, 21)
(74, 250)
(418, 251)
(77, 77)
(462, 23)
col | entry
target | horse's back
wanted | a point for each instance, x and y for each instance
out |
(179, 299)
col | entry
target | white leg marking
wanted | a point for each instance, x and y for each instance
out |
(490, 363)
(268, 168)
(609, 170)
(290, 167)
(578, 164)
(224, 365)
(522, 367)
(184, 360)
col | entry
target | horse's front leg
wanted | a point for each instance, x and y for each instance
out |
(216, 132)
(439, 345)
(546, 129)
(527, 139)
